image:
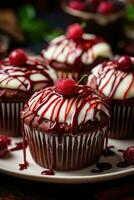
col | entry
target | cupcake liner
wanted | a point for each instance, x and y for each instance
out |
(73, 152)
(10, 123)
(122, 123)
(62, 74)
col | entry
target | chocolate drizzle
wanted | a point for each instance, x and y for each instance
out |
(101, 166)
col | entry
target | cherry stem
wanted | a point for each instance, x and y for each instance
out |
(84, 76)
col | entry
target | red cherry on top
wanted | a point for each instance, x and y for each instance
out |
(75, 31)
(77, 5)
(17, 57)
(128, 155)
(3, 148)
(105, 7)
(124, 63)
(66, 87)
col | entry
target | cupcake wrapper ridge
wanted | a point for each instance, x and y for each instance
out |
(73, 152)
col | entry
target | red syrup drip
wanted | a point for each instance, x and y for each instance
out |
(48, 172)
(116, 74)
(25, 164)
(28, 70)
(18, 146)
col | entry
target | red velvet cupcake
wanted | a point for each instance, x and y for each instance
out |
(20, 76)
(103, 17)
(75, 53)
(66, 126)
(115, 80)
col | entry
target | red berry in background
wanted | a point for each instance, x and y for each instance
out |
(6, 139)
(66, 87)
(17, 57)
(75, 31)
(3, 148)
(124, 63)
(77, 5)
(105, 7)
(128, 155)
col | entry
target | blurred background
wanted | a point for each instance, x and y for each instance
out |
(31, 24)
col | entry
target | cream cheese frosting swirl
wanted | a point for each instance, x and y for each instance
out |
(69, 51)
(32, 76)
(112, 80)
(50, 105)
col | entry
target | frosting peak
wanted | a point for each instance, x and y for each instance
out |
(114, 79)
(32, 76)
(50, 105)
(85, 50)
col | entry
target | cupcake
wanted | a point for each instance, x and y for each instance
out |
(66, 126)
(104, 17)
(20, 76)
(115, 80)
(75, 53)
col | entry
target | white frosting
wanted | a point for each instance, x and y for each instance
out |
(63, 50)
(26, 78)
(113, 82)
(46, 104)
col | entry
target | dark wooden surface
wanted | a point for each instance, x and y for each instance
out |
(17, 189)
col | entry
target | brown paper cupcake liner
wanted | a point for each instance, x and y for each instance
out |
(10, 123)
(74, 152)
(122, 123)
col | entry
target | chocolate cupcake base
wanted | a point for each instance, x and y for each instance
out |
(72, 152)
(10, 123)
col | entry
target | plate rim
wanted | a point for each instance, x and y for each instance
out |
(70, 179)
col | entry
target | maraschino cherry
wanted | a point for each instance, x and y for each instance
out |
(75, 31)
(78, 5)
(128, 155)
(105, 7)
(3, 148)
(17, 57)
(124, 63)
(66, 87)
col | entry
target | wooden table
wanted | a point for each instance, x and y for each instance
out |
(17, 189)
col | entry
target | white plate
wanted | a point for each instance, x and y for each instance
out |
(10, 165)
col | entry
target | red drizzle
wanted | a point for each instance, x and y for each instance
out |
(82, 45)
(116, 75)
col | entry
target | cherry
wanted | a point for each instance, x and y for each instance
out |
(17, 57)
(105, 7)
(124, 63)
(3, 147)
(6, 139)
(77, 5)
(128, 155)
(66, 87)
(75, 31)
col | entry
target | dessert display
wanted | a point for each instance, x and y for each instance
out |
(66, 126)
(20, 76)
(76, 52)
(115, 80)
(103, 17)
